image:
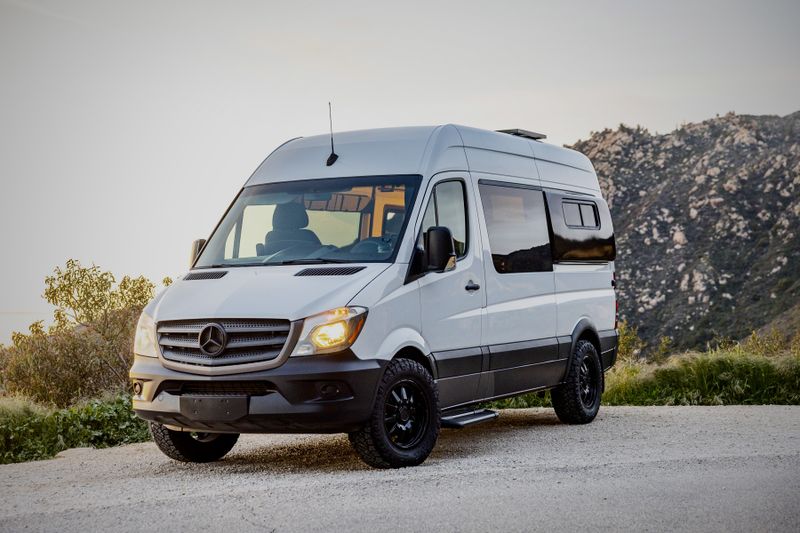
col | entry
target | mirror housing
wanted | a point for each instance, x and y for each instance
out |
(197, 247)
(440, 249)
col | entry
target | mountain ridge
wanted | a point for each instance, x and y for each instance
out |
(707, 221)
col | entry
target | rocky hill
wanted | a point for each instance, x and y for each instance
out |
(707, 220)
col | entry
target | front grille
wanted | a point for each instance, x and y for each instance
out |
(248, 341)
(216, 388)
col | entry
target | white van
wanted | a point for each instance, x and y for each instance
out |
(385, 291)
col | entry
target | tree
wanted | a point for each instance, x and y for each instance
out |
(88, 349)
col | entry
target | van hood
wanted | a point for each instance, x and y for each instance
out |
(262, 292)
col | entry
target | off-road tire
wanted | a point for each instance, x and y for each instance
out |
(372, 441)
(568, 401)
(184, 446)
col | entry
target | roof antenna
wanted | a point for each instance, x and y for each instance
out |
(333, 157)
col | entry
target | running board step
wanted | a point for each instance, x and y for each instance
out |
(462, 420)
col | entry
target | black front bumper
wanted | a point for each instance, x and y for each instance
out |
(316, 394)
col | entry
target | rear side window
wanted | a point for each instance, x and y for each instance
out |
(572, 214)
(580, 215)
(584, 232)
(447, 208)
(516, 221)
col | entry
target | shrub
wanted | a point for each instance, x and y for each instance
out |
(713, 378)
(629, 345)
(88, 350)
(29, 431)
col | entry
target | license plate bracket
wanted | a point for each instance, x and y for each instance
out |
(214, 408)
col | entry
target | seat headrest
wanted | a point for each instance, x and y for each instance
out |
(289, 216)
(394, 224)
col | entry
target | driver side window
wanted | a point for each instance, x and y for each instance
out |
(447, 207)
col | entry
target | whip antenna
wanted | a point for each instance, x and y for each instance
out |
(333, 157)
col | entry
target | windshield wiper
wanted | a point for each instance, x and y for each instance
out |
(309, 261)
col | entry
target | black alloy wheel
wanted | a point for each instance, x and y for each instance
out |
(405, 414)
(588, 382)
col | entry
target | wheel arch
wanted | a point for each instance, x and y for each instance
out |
(583, 330)
(413, 353)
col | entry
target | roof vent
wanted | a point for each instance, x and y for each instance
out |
(330, 271)
(525, 133)
(214, 274)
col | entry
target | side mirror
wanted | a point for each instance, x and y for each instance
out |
(440, 248)
(197, 246)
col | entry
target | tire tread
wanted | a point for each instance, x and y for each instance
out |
(368, 442)
(566, 397)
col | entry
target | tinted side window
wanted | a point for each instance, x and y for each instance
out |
(572, 214)
(580, 215)
(516, 221)
(446, 208)
(588, 216)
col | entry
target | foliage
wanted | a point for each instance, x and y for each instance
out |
(714, 378)
(662, 351)
(29, 431)
(88, 349)
(629, 345)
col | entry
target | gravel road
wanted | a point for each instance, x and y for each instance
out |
(649, 469)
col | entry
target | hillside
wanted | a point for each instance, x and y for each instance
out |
(707, 220)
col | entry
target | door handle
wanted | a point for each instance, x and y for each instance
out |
(472, 286)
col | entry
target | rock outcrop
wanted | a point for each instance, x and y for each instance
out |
(707, 221)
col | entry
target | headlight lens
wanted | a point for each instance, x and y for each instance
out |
(331, 331)
(145, 341)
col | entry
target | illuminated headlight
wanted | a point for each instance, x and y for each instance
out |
(145, 341)
(331, 331)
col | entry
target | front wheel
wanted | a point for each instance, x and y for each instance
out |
(192, 447)
(404, 424)
(577, 400)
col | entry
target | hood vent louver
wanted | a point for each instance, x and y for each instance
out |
(214, 274)
(330, 271)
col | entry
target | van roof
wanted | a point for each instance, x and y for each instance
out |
(426, 150)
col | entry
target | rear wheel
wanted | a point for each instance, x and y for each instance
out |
(404, 425)
(577, 400)
(192, 447)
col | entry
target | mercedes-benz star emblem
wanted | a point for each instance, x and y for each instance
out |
(212, 340)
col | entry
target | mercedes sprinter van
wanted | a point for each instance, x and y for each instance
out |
(385, 291)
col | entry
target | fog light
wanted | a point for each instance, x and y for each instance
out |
(137, 388)
(329, 389)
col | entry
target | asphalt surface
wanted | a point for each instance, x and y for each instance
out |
(644, 469)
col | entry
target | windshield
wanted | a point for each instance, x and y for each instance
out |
(332, 220)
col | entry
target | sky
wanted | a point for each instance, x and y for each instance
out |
(127, 127)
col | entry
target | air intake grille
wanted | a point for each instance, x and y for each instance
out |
(248, 341)
(216, 388)
(213, 274)
(330, 271)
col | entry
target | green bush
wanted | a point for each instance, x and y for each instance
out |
(29, 431)
(713, 378)
(88, 350)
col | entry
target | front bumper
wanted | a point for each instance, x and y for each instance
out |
(331, 393)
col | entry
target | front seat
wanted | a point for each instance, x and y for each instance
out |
(288, 223)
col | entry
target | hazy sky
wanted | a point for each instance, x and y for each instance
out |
(127, 127)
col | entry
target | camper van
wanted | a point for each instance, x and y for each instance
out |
(385, 283)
